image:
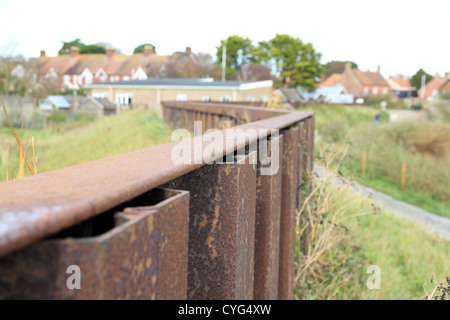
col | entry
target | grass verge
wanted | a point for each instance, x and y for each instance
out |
(340, 234)
(109, 136)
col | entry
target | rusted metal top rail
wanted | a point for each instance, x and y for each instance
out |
(37, 207)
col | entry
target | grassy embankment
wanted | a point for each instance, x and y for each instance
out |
(423, 146)
(347, 234)
(106, 137)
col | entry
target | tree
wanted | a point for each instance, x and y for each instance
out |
(84, 49)
(140, 48)
(239, 51)
(254, 72)
(416, 80)
(295, 63)
(190, 65)
(337, 67)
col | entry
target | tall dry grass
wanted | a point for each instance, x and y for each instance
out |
(423, 146)
(23, 157)
(326, 257)
(441, 290)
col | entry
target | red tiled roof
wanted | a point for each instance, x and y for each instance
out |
(369, 78)
(435, 84)
(401, 82)
(331, 81)
(446, 86)
(117, 64)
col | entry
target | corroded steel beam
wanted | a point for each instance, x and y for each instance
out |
(289, 192)
(221, 230)
(142, 256)
(36, 207)
(267, 225)
(230, 235)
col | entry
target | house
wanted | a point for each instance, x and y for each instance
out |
(359, 83)
(309, 96)
(52, 103)
(401, 87)
(74, 70)
(292, 96)
(445, 88)
(431, 90)
(331, 81)
(97, 106)
(149, 93)
(332, 94)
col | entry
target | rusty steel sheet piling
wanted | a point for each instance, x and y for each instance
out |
(221, 230)
(267, 223)
(288, 212)
(301, 150)
(142, 256)
(134, 240)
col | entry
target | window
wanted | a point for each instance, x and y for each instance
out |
(366, 90)
(375, 90)
(66, 79)
(263, 99)
(250, 98)
(100, 95)
(181, 97)
(225, 98)
(385, 91)
(126, 78)
(124, 99)
(206, 98)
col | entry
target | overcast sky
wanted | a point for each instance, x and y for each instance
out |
(400, 36)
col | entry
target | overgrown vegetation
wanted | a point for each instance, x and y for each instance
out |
(327, 260)
(424, 147)
(23, 158)
(106, 137)
(441, 290)
(340, 234)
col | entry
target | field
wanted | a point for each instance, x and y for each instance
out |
(352, 235)
(106, 137)
(423, 148)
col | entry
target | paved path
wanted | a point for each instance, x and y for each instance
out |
(433, 223)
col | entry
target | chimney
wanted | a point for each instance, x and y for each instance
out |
(74, 51)
(110, 51)
(148, 50)
(42, 53)
(378, 69)
(188, 50)
(348, 66)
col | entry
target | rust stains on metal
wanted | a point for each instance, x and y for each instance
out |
(142, 256)
(231, 208)
(36, 207)
(221, 251)
(288, 209)
(267, 225)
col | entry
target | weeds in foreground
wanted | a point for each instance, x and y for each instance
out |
(326, 257)
(23, 158)
(441, 291)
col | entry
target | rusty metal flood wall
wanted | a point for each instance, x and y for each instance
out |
(143, 226)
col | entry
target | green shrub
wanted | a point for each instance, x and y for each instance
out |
(58, 116)
(82, 118)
